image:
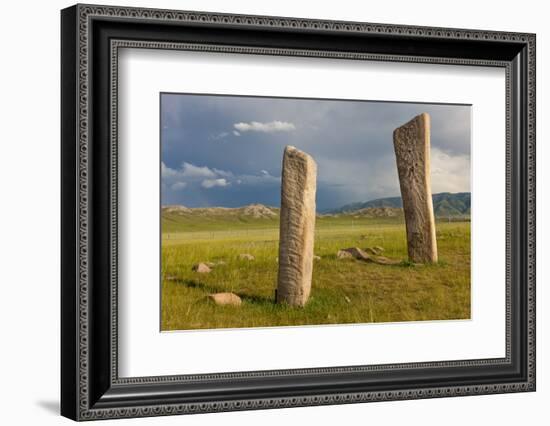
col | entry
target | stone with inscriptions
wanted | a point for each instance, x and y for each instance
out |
(412, 151)
(297, 227)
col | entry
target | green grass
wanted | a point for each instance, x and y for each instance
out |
(343, 290)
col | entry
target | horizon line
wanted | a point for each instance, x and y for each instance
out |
(326, 210)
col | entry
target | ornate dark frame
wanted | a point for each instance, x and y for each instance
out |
(91, 37)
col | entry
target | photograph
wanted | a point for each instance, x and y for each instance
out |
(300, 212)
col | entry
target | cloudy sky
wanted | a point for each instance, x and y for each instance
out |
(227, 150)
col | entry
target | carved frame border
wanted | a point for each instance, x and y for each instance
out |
(85, 13)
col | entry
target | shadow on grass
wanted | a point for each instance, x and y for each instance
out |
(409, 264)
(198, 285)
(252, 298)
(263, 300)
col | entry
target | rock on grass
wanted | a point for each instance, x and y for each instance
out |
(354, 252)
(357, 253)
(343, 254)
(230, 299)
(376, 250)
(201, 268)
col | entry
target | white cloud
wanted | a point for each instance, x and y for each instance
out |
(449, 173)
(272, 126)
(211, 183)
(236, 133)
(178, 186)
(167, 172)
(223, 173)
(191, 176)
(190, 170)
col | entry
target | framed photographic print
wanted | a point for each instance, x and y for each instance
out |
(263, 212)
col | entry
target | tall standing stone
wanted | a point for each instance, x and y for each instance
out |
(412, 151)
(297, 227)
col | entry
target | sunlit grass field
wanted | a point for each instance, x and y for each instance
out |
(343, 290)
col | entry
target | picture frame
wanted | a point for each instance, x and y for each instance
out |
(90, 384)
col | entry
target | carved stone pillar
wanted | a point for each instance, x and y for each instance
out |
(297, 227)
(412, 151)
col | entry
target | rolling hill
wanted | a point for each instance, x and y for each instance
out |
(445, 204)
(177, 217)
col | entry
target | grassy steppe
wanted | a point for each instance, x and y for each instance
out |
(343, 290)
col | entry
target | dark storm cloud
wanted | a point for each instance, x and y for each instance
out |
(227, 151)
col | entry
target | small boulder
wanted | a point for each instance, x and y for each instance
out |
(230, 299)
(366, 256)
(357, 253)
(201, 268)
(315, 257)
(376, 250)
(170, 278)
(342, 254)
(246, 256)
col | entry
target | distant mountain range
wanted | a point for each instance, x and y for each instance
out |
(445, 204)
(179, 213)
(254, 211)
(175, 216)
